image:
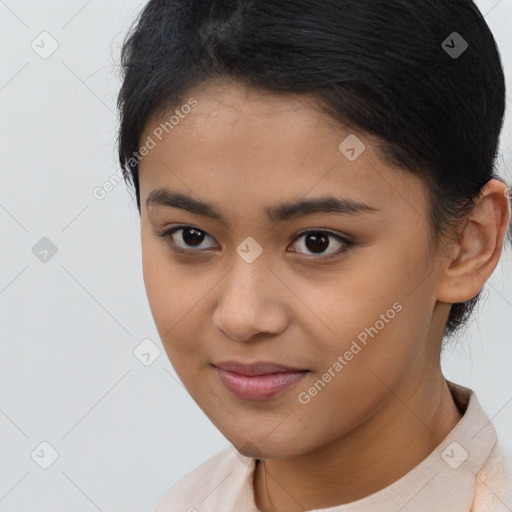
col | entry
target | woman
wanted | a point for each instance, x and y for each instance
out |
(319, 213)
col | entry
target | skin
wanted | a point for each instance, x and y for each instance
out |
(241, 151)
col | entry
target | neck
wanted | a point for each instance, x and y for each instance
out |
(333, 474)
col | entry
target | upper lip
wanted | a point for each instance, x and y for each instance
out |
(259, 368)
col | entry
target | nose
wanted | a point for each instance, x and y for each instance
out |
(251, 302)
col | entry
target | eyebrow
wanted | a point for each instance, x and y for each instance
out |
(275, 213)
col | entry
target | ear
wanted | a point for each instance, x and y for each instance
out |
(478, 249)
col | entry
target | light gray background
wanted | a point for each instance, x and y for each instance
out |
(124, 432)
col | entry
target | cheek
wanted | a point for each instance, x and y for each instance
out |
(370, 292)
(354, 377)
(170, 299)
(397, 271)
(377, 321)
(158, 275)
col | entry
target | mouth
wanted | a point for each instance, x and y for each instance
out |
(258, 381)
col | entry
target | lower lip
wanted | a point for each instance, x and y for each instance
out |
(258, 387)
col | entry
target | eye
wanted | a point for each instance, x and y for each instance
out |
(317, 241)
(190, 238)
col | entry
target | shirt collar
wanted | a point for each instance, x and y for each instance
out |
(444, 481)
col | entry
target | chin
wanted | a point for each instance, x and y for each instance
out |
(265, 449)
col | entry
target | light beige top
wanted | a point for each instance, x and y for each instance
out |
(470, 471)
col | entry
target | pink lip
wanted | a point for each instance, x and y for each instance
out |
(257, 381)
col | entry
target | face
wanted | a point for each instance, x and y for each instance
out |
(346, 293)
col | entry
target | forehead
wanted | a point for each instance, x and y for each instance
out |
(233, 99)
(250, 146)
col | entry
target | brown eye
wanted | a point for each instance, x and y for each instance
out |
(190, 238)
(318, 242)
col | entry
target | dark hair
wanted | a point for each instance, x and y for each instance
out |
(395, 69)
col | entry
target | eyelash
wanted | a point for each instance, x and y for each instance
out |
(348, 244)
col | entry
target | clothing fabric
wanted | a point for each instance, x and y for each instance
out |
(469, 471)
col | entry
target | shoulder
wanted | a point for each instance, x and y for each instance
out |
(216, 482)
(493, 483)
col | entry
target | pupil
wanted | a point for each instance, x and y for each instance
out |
(320, 241)
(194, 239)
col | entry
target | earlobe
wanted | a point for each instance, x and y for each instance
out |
(479, 246)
